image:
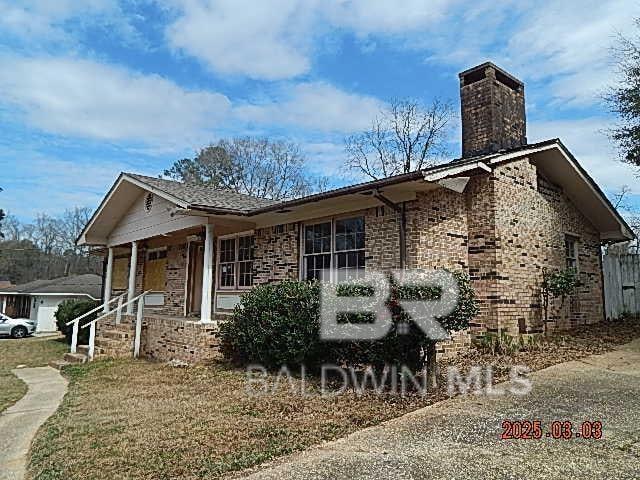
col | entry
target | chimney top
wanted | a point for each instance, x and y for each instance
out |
(493, 110)
(479, 72)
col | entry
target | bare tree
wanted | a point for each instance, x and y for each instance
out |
(2, 215)
(265, 168)
(405, 137)
(46, 248)
(631, 214)
(70, 227)
(12, 227)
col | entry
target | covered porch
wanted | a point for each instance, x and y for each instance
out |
(195, 274)
(193, 263)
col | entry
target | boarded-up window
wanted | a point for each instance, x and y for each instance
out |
(120, 276)
(155, 268)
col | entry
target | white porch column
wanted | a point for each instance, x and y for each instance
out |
(207, 275)
(107, 280)
(4, 304)
(132, 275)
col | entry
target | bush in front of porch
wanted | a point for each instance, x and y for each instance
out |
(278, 324)
(73, 308)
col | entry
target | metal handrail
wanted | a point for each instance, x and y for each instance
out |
(77, 319)
(138, 326)
(119, 307)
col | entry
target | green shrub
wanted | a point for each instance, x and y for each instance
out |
(278, 324)
(274, 324)
(73, 308)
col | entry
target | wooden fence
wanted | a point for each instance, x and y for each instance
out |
(621, 284)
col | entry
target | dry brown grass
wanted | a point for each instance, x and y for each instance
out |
(137, 419)
(32, 352)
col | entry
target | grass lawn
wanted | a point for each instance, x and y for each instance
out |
(126, 419)
(32, 352)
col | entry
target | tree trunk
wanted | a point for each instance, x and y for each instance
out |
(432, 379)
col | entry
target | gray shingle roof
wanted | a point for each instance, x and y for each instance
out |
(87, 284)
(195, 194)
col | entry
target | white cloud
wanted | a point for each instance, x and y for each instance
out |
(87, 99)
(569, 42)
(316, 106)
(366, 17)
(327, 159)
(268, 40)
(275, 40)
(587, 140)
(42, 22)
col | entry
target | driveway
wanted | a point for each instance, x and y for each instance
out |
(460, 438)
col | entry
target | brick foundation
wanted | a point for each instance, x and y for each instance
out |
(162, 339)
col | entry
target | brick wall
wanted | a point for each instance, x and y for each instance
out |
(166, 339)
(174, 296)
(437, 237)
(382, 238)
(162, 339)
(531, 220)
(437, 231)
(276, 253)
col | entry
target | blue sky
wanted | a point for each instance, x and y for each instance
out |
(91, 88)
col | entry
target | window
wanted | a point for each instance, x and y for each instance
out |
(227, 262)
(157, 254)
(317, 250)
(235, 262)
(336, 246)
(571, 252)
(245, 261)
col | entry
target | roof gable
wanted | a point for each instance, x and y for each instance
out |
(202, 195)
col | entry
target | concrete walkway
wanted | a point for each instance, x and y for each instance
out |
(460, 438)
(20, 422)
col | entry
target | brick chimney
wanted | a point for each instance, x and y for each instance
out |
(493, 116)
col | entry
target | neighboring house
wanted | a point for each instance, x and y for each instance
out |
(39, 300)
(503, 212)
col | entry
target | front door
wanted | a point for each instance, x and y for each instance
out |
(194, 290)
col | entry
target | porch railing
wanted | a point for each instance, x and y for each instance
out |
(76, 321)
(118, 311)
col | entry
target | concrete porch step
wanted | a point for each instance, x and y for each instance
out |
(59, 364)
(84, 349)
(75, 357)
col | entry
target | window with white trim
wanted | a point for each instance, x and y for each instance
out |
(235, 262)
(335, 246)
(571, 252)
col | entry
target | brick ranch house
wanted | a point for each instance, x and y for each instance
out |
(503, 212)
